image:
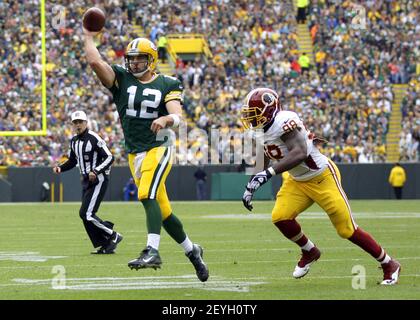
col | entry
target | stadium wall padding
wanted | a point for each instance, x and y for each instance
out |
(360, 181)
(225, 187)
(5, 190)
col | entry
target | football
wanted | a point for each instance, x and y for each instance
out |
(94, 19)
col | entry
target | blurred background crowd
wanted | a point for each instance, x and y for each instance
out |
(345, 96)
(20, 66)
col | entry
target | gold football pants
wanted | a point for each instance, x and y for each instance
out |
(295, 197)
(150, 170)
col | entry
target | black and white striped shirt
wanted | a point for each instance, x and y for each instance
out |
(89, 151)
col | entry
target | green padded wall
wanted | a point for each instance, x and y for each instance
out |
(231, 186)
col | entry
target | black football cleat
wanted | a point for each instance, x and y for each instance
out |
(115, 239)
(102, 250)
(196, 258)
(149, 258)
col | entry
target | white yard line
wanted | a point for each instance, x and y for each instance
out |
(314, 215)
(26, 256)
(143, 283)
(209, 262)
(215, 283)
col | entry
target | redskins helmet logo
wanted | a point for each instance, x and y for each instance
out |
(268, 99)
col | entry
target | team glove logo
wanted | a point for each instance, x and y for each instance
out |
(258, 180)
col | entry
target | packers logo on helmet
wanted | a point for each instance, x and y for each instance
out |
(140, 56)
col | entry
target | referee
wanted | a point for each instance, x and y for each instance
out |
(90, 153)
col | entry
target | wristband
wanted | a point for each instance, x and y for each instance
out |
(176, 120)
(271, 170)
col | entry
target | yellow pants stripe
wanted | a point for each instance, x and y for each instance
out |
(154, 167)
(159, 173)
(337, 182)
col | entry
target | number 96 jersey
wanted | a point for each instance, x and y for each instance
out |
(276, 149)
(139, 104)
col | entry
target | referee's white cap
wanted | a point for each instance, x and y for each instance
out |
(78, 115)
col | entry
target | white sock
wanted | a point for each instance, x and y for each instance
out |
(187, 245)
(153, 240)
(386, 259)
(308, 246)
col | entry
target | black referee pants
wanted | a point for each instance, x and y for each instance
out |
(93, 192)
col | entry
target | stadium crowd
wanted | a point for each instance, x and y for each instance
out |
(409, 145)
(364, 60)
(345, 97)
(20, 66)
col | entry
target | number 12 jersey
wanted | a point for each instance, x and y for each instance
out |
(140, 103)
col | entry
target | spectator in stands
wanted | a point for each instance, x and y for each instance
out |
(162, 43)
(304, 62)
(253, 44)
(302, 6)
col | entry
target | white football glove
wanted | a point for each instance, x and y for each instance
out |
(247, 199)
(254, 183)
(258, 180)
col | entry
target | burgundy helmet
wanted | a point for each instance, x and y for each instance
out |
(260, 108)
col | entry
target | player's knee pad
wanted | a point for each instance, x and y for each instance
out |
(143, 195)
(278, 216)
(345, 232)
(276, 220)
(165, 208)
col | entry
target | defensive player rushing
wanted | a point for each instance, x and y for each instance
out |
(147, 102)
(313, 178)
(89, 151)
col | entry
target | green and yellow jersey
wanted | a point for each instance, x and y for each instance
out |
(139, 104)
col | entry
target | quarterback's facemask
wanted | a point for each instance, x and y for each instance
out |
(140, 56)
(138, 64)
(260, 108)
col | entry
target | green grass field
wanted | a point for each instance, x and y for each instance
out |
(248, 258)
